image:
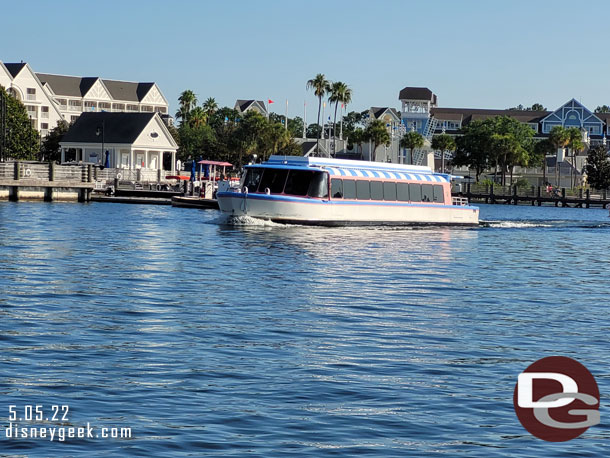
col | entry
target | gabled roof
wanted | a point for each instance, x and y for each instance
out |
(63, 85)
(379, 111)
(243, 105)
(571, 104)
(76, 86)
(15, 69)
(118, 127)
(2, 66)
(124, 90)
(417, 93)
(472, 114)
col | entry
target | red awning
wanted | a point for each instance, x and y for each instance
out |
(225, 164)
(177, 177)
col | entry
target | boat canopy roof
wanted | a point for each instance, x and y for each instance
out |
(355, 168)
(219, 163)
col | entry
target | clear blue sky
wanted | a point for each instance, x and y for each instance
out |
(471, 53)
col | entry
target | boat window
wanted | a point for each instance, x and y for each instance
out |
(336, 188)
(376, 190)
(402, 191)
(274, 179)
(415, 192)
(252, 179)
(439, 194)
(298, 182)
(363, 190)
(349, 189)
(389, 190)
(319, 185)
(427, 193)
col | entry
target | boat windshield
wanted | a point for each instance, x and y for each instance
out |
(310, 183)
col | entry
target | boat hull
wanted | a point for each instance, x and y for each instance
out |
(311, 211)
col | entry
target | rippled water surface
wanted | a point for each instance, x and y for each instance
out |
(271, 341)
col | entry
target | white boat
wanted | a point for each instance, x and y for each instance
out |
(338, 192)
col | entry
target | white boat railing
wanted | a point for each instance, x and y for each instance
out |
(460, 201)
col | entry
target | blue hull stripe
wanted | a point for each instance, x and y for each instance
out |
(302, 200)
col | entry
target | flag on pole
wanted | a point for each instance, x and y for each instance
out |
(270, 101)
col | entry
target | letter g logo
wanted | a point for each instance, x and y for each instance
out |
(563, 387)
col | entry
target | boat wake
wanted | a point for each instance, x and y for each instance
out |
(560, 224)
(245, 221)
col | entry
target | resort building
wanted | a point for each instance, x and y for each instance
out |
(21, 82)
(243, 106)
(50, 98)
(120, 140)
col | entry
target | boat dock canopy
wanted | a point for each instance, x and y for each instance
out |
(355, 168)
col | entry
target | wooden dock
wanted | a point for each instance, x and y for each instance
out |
(495, 194)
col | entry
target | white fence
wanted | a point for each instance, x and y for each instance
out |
(77, 172)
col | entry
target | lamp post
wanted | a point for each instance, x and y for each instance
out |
(98, 132)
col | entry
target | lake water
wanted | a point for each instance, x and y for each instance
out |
(274, 341)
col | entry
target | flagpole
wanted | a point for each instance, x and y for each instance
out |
(322, 126)
(286, 124)
(304, 118)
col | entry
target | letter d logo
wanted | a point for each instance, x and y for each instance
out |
(556, 399)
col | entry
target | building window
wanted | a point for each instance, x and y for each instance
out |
(132, 108)
(44, 126)
(73, 118)
(593, 130)
(90, 106)
(533, 126)
(44, 112)
(62, 102)
(161, 109)
(118, 106)
(31, 93)
(105, 106)
(147, 108)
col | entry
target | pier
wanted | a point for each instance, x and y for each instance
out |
(535, 195)
(48, 182)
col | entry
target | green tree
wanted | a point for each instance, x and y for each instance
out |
(210, 107)
(576, 145)
(473, 147)
(598, 168)
(559, 138)
(23, 141)
(295, 126)
(602, 109)
(339, 93)
(313, 131)
(412, 140)
(511, 143)
(377, 134)
(540, 151)
(537, 107)
(187, 101)
(197, 117)
(443, 143)
(50, 150)
(357, 137)
(249, 130)
(320, 86)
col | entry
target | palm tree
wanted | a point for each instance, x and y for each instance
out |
(576, 145)
(559, 138)
(339, 92)
(443, 143)
(412, 140)
(210, 107)
(187, 100)
(320, 86)
(345, 100)
(197, 117)
(377, 133)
